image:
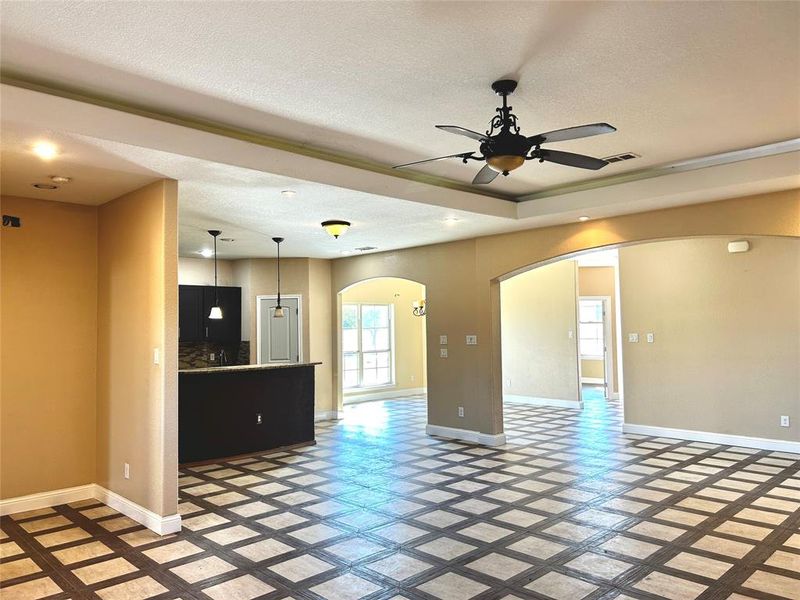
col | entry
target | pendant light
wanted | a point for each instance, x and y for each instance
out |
(216, 311)
(278, 314)
(335, 227)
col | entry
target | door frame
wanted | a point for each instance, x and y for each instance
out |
(608, 355)
(274, 297)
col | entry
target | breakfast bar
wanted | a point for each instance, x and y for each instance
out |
(225, 412)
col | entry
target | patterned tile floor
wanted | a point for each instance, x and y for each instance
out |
(569, 509)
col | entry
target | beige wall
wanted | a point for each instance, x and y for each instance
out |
(727, 336)
(48, 316)
(463, 290)
(137, 313)
(200, 271)
(601, 281)
(409, 331)
(320, 325)
(539, 333)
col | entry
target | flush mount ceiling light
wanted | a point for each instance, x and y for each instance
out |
(289, 193)
(45, 150)
(451, 220)
(335, 227)
(216, 310)
(44, 186)
(60, 179)
(583, 218)
(279, 312)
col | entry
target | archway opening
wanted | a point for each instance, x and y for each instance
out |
(382, 353)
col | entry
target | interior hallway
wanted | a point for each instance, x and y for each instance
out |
(569, 509)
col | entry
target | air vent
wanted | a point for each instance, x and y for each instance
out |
(366, 248)
(226, 240)
(620, 157)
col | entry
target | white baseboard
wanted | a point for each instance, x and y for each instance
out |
(535, 401)
(46, 499)
(328, 415)
(157, 523)
(140, 514)
(593, 380)
(466, 435)
(710, 437)
(355, 398)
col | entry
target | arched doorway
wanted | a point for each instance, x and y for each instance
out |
(381, 342)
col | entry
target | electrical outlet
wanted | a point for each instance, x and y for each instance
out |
(651, 338)
(633, 338)
(785, 421)
(460, 411)
(126, 471)
(570, 334)
(211, 356)
(259, 420)
(443, 340)
(472, 340)
(412, 379)
(442, 352)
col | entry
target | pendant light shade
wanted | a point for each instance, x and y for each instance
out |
(278, 312)
(216, 311)
(335, 228)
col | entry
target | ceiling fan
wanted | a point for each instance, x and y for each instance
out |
(504, 148)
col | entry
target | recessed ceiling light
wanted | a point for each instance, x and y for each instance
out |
(289, 193)
(45, 186)
(60, 179)
(583, 218)
(451, 220)
(346, 252)
(45, 150)
(207, 252)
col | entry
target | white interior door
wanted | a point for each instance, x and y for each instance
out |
(278, 338)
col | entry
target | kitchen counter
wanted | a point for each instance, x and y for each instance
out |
(235, 368)
(231, 411)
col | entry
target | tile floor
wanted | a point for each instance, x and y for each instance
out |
(569, 509)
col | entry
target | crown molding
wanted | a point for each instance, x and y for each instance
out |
(19, 80)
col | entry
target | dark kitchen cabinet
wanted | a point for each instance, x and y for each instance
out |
(229, 327)
(190, 313)
(194, 304)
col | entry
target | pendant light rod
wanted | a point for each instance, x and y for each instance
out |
(216, 311)
(278, 309)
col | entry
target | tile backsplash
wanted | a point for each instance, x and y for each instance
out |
(196, 355)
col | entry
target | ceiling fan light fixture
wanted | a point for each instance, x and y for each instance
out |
(335, 227)
(505, 163)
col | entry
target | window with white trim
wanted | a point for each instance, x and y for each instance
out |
(591, 322)
(367, 340)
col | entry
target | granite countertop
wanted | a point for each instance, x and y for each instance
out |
(235, 368)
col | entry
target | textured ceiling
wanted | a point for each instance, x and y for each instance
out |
(679, 80)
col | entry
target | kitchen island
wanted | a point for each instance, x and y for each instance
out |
(245, 409)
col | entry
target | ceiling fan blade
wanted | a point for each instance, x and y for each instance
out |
(572, 133)
(462, 131)
(485, 175)
(417, 162)
(572, 160)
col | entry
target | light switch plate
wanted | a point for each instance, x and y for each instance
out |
(442, 352)
(633, 338)
(651, 338)
(472, 340)
(156, 356)
(443, 340)
(785, 421)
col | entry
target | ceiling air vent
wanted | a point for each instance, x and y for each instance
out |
(620, 157)
(366, 248)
